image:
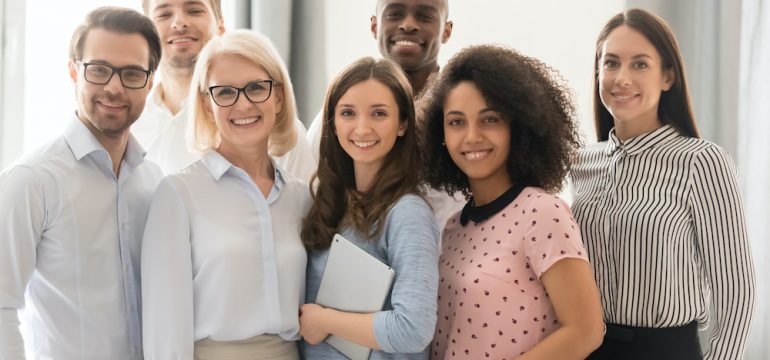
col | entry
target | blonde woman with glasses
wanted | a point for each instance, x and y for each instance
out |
(223, 265)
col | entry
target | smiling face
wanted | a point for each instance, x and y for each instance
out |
(631, 80)
(476, 137)
(184, 27)
(367, 124)
(109, 109)
(410, 32)
(244, 125)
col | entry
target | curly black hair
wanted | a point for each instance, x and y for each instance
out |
(531, 97)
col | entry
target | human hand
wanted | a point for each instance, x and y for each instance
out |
(313, 323)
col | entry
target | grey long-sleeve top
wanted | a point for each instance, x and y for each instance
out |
(410, 245)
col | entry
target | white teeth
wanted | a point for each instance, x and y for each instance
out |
(406, 43)
(245, 121)
(181, 40)
(364, 144)
(624, 97)
(475, 155)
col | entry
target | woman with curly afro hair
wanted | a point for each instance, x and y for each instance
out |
(514, 277)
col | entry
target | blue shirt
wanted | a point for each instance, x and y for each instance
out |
(410, 245)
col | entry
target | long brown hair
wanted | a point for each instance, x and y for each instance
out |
(337, 203)
(674, 107)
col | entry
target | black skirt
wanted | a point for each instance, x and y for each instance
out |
(637, 343)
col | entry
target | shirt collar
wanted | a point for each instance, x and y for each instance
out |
(82, 142)
(638, 144)
(217, 166)
(484, 212)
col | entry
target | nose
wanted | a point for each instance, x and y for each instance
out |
(242, 102)
(180, 20)
(362, 126)
(473, 133)
(623, 76)
(409, 24)
(114, 86)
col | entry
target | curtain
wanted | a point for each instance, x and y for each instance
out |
(754, 163)
(11, 80)
(297, 28)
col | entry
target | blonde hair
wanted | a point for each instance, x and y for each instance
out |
(258, 49)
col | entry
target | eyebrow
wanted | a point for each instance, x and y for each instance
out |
(400, 6)
(642, 55)
(186, 3)
(102, 62)
(372, 106)
(457, 112)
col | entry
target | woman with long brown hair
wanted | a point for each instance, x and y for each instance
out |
(367, 190)
(659, 208)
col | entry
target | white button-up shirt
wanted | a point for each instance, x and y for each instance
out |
(164, 136)
(70, 237)
(220, 260)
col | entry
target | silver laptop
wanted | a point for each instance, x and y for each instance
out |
(353, 281)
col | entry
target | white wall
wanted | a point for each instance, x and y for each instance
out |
(561, 33)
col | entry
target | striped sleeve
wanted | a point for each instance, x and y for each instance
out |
(717, 213)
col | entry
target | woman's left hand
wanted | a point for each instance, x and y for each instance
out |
(313, 323)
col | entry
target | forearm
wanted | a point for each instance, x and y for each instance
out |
(358, 328)
(11, 343)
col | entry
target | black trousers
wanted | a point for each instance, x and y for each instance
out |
(637, 343)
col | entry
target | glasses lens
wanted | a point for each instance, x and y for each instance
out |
(224, 95)
(133, 78)
(258, 91)
(99, 74)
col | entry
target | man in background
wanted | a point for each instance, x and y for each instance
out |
(73, 212)
(185, 26)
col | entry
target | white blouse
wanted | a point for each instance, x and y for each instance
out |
(219, 260)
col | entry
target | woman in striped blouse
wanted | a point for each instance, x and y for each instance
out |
(659, 208)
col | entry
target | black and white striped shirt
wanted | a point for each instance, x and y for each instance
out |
(662, 220)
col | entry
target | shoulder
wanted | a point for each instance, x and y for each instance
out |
(410, 213)
(410, 206)
(42, 163)
(539, 204)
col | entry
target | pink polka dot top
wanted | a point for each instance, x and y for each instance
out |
(491, 303)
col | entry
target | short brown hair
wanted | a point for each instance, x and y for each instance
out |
(531, 97)
(121, 20)
(216, 7)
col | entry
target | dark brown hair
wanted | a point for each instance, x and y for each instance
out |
(337, 203)
(531, 98)
(120, 20)
(674, 107)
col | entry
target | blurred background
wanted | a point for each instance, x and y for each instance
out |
(725, 44)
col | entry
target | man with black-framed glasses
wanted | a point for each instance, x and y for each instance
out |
(73, 212)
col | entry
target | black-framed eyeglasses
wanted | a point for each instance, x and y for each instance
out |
(101, 74)
(255, 91)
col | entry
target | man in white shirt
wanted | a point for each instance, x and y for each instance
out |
(185, 26)
(73, 212)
